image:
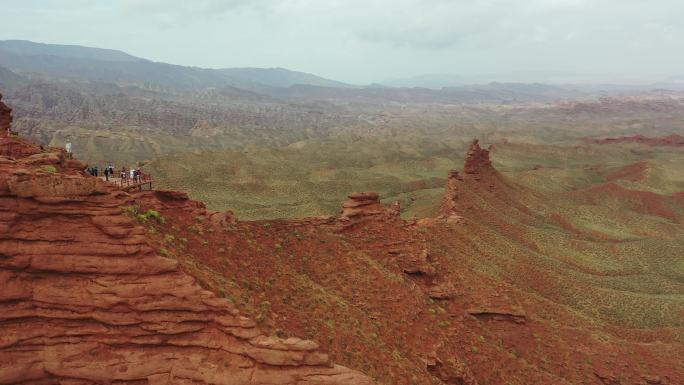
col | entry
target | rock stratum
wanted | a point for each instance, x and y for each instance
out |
(86, 298)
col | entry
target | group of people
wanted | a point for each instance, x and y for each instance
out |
(94, 171)
(133, 174)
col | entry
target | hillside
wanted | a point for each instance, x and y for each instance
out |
(507, 283)
(311, 178)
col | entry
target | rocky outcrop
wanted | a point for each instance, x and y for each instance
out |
(363, 206)
(478, 176)
(419, 264)
(444, 290)
(5, 119)
(12, 146)
(477, 161)
(86, 298)
(222, 218)
(448, 207)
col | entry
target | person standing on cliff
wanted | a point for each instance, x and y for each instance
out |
(106, 173)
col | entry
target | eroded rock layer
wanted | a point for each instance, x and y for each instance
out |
(85, 298)
(362, 206)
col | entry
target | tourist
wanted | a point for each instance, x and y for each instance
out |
(123, 174)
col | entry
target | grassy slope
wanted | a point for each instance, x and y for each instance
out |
(307, 180)
(594, 265)
(313, 177)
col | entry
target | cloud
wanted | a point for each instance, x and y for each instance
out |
(369, 40)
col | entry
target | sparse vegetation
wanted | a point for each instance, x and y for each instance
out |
(48, 168)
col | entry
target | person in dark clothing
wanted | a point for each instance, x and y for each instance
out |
(106, 174)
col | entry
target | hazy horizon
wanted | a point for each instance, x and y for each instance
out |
(363, 42)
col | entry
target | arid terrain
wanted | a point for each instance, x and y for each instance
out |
(323, 233)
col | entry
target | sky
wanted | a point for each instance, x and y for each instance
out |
(366, 41)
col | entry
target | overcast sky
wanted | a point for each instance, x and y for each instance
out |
(364, 41)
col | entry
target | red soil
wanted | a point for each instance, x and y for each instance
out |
(635, 172)
(645, 202)
(670, 140)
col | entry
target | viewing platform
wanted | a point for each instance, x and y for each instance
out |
(144, 182)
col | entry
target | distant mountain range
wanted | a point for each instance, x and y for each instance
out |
(115, 106)
(96, 70)
(106, 65)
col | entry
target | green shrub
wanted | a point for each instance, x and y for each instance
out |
(144, 218)
(154, 214)
(48, 168)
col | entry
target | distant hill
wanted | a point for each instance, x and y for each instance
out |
(25, 47)
(486, 93)
(280, 77)
(434, 81)
(105, 65)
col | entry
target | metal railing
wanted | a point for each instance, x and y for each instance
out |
(128, 182)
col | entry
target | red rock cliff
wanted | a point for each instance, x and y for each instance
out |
(5, 118)
(85, 298)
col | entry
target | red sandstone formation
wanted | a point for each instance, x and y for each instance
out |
(362, 206)
(448, 207)
(13, 147)
(477, 161)
(5, 118)
(477, 168)
(86, 298)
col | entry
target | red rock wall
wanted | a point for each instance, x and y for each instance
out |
(84, 298)
(5, 118)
